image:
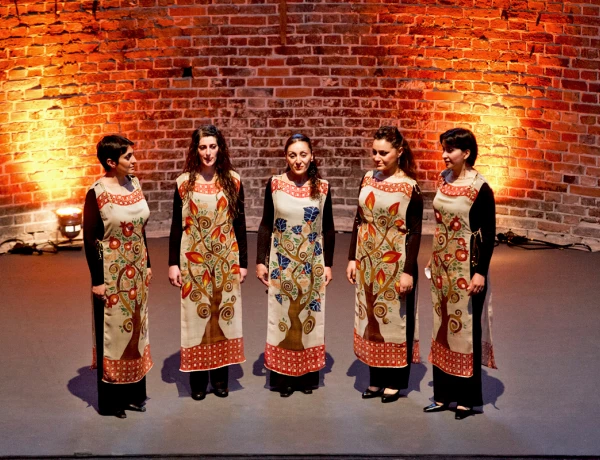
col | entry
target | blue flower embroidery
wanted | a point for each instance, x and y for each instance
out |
(310, 213)
(318, 249)
(312, 237)
(275, 242)
(297, 229)
(307, 268)
(280, 224)
(283, 261)
(315, 305)
(275, 274)
(279, 298)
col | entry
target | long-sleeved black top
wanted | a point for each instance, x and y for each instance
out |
(93, 231)
(414, 221)
(239, 228)
(482, 216)
(266, 229)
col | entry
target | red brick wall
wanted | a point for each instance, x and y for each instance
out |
(524, 76)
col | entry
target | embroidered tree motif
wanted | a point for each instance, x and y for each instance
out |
(127, 255)
(448, 273)
(297, 276)
(378, 263)
(212, 264)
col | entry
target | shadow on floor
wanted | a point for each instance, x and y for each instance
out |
(85, 386)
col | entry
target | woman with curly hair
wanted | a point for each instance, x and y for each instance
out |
(383, 266)
(208, 260)
(296, 239)
(463, 244)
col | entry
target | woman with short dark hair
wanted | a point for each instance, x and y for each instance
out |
(463, 244)
(115, 215)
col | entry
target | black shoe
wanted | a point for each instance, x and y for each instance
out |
(286, 392)
(135, 407)
(433, 407)
(369, 394)
(461, 414)
(306, 391)
(390, 398)
(221, 392)
(120, 413)
(199, 395)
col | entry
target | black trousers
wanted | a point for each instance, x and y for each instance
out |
(308, 381)
(396, 378)
(219, 379)
(113, 396)
(464, 391)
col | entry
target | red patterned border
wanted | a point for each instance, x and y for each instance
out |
(451, 362)
(121, 200)
(380, 354)
(416, 354)
(294, 363)
(487, 355)
(212, 356)
(298, 192)
(205, 189)
(127, 371)
(391, 187)
(451, 190)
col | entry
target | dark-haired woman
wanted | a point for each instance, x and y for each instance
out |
(383, 265)
(115, 215)
(296, 239)
(462, 249)
(208, 261)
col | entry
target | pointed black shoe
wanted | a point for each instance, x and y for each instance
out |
(221, 392)
(462, 414)
(390, 398)
(135, 407)
(199, 395)
(306, 391)
(369, 394)
(120, 413)
(433, 407)
(286, 392)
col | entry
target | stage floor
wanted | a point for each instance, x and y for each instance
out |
(541, 401)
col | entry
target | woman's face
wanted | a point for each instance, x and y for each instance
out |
(298, 157)
(208, 150)
(126, 163)
(385, 156)
(454, 158)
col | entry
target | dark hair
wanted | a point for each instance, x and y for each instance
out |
(111, 148)
(313, 171)
(463, 139)
(406, 161)
(223, 167)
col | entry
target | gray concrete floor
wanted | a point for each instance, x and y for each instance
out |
(542, 400)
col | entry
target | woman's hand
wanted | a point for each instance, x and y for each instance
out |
(243, 274)
(149, 275)
(175, 276)
(351, 272)
(99, 291)
(477, 284)
(328, 275)
(262, 273)
(406, 284)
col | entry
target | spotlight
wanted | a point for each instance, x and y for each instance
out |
(69, 224)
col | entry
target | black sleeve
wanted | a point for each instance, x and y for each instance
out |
(414, 223)
(482, 216)
(266, 227)
(328, 231)
(239, 227)
(176, 230)
(93, 231)
(147, 250)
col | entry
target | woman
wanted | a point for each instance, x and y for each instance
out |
(115, 215)
(465, 217)
(296, 239)
(208, 261)
(383, 266)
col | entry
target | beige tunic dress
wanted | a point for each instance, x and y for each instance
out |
(296, 319)
(211, 303)
(380, 326)
(126, 345)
